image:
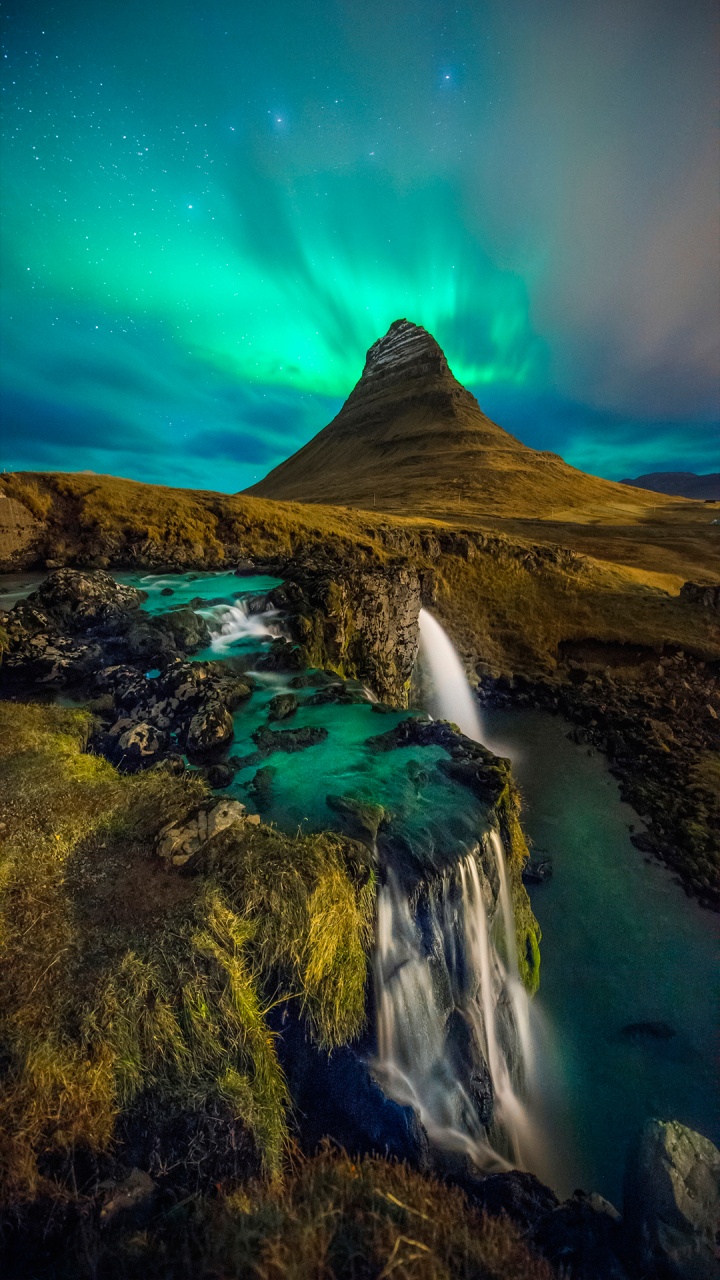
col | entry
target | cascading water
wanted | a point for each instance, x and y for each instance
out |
(451, 697)
(453, 1020)
(231, 623)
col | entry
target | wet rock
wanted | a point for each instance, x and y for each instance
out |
(311, 680)
(537, 869)
(173, 764)
(133, 1196)
(282, 706)
(188, 630)
(210, 730)
(583, 1238)
(672, 1202)
(281, 656)
(147, 644)
(139, 746)
(336, 1097)
(179, 841)
(269, 740)
(79, 599)
(521, 1196)
(337, 695)
(261, 785)
(466, 1055)
(360, 818)
(220, 776)
(648, 1031)
(358, 619)
(167, 591)
(418, 774)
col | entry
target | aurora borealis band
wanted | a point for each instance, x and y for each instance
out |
(211, 210)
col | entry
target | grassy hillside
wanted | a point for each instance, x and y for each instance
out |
(124, 985)
(508, 598)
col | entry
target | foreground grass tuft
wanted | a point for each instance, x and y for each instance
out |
(332, 1219)
(122, 983)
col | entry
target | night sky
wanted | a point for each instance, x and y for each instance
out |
(211, 210)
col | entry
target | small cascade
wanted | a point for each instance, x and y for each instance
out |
(452, 1015)
(450, 695)
(232, 623)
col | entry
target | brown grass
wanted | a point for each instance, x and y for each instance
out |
(334, 1219)
(111, 986)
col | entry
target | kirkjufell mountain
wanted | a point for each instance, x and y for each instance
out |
(410, 438)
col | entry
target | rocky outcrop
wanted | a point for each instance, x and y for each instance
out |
(707, 597)
(179, 841)
(672, 1203)
(20, 533)
(79, 600)
(79, 621)
(361, 623)
(210, 731)
(659, 724)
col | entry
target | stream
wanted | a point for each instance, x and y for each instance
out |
(622, 944)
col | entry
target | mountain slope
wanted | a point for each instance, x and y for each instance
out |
(410, 438)
(681, 484)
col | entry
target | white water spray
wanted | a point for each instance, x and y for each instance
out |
(451, 697)
(453, 1019)
(229, 623)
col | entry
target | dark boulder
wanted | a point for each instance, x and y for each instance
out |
(537, 869)
(648, 1031)
(79, 599)
(282, 706)
(360, 818)
(138, 746)
(268, 740)
(672, 1202)
(520, 1196)
(210, 730)
(583, 1238)
(220, 775)
(188, 630)
(261, 785)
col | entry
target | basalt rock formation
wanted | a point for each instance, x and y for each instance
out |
(359, 622)
(410, 437)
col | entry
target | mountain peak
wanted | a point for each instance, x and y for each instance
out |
(411, 438)
(406, 350)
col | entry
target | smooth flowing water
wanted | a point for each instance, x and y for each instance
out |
(453, 1018)
(622, 946)
(449, 694)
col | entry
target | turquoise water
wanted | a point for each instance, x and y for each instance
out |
(187, 586)
(622, 944)
(419, 802)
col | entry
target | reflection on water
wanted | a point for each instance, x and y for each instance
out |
(622, 944)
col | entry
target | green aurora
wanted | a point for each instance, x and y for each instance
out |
(210, 214)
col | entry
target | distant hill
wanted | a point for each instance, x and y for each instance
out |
(410, 439)
(680, 484)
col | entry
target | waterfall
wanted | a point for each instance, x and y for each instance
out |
(451, 697)
(454, 1034)
(453, 1020)
(230, 623)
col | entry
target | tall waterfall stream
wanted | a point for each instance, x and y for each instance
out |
(453, 1018)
